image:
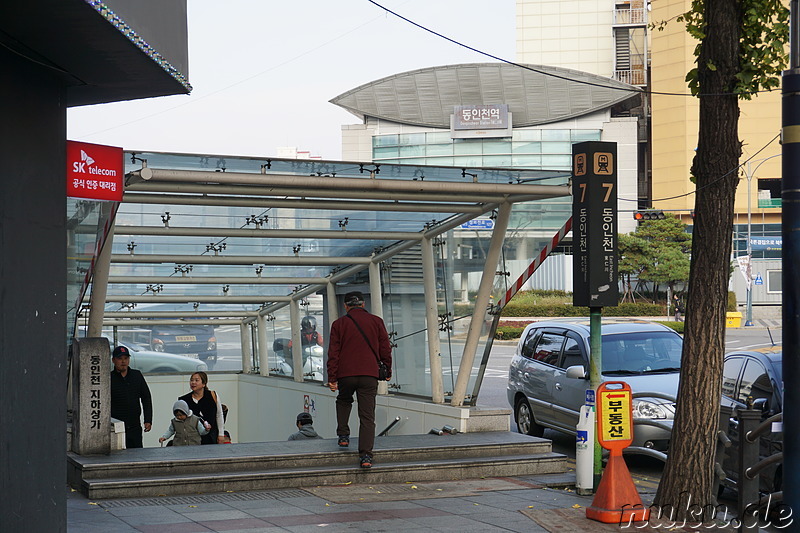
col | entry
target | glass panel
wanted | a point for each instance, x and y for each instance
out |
(556, 148)
(527, 161)
(385, 140)
(526, 147)
(527, 135)
(496, 147)
(436, 138)
(557, 161)
(555, 135)
(467, 147)
(412, 151)
(382, 153)
(439, 149)
(497, 160)
(585, 135)
(412, 138)
(475, 161)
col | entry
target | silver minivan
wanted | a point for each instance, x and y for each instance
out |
(549, 375)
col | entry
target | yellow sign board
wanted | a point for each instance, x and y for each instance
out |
(614, 416)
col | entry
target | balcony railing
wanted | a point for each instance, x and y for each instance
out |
(631, 77)
(626, 17)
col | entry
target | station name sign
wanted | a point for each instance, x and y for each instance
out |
(94, 171)
(594, 224)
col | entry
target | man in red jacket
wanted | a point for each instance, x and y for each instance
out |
(357, 341)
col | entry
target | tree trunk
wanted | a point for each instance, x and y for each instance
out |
(687, 481)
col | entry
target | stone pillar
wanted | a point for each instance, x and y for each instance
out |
(91, 396)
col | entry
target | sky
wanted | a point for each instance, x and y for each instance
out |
(263, 72)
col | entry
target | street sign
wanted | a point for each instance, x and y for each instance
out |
(478, 223)
(594, 219)
(758, 279)
(589, 397)
(614, 415)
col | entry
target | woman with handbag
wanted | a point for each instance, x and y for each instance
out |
(206, 404)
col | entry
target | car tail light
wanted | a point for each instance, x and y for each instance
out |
(158, 345)
(212, 343)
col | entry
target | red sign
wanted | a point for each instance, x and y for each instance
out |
(94, 171)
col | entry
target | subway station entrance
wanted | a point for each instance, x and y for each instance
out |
(216, 262)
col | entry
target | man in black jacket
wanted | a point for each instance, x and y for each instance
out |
(128, 389)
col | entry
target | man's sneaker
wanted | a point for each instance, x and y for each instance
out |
(366, 461)
(344, 441)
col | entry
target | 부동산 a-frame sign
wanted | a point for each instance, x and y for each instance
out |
(594, 219)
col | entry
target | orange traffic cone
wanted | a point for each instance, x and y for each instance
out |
(617, 500)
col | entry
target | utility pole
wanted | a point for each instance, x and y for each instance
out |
(790, 136)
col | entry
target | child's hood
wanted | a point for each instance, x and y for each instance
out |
(182, 406)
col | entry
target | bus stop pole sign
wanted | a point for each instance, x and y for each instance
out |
(594, 224)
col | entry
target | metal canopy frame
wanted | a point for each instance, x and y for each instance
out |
(272, 232)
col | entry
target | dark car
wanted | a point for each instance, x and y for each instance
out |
(548, 376)
(197, 340)
(756, 375)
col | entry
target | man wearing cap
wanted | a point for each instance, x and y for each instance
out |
(129, 395)
(357, 340)
(305, 427)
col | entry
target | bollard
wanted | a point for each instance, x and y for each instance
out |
(747, 488)
(584, 451)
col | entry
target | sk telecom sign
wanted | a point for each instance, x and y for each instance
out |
(614, 416)
(94, 171)
(594, 224)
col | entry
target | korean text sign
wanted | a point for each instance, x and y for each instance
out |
(94, 171)
(614, 416)
(594, 224)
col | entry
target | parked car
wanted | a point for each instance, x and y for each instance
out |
(549, 375)
(198, 340)
(148, 361)
(757, 375)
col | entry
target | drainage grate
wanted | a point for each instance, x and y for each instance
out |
(206, 498)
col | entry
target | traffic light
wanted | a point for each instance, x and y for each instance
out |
(650, 214)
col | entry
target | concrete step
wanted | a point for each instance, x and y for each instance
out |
(171, 485)
(260, 466)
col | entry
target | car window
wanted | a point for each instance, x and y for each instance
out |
(755, 382)
(730, 374)
(649, 351)
(530, 343)
(548, 349)
(572, 354)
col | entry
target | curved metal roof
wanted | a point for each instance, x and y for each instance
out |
(535, 95)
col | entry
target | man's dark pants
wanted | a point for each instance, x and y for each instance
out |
(365, 389)
(133, 437)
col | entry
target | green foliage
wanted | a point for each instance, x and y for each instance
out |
(508, 332)
(517, 309)
(762, 47)
(677, 326)
(658, 251)
(731, 307)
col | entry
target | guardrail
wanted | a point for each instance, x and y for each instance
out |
(751, 427)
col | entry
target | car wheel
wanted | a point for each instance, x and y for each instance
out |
(526, 424)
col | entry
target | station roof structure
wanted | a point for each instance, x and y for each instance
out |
(221, 236)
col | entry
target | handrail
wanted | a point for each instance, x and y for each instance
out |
(390, 426)
(763, 427)
(753, 471)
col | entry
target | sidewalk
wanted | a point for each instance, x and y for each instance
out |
(544, 503)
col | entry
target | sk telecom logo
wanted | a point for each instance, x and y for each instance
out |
(94, 171)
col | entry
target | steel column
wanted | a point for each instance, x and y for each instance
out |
(297, 342)
(481, 304)
(247, 365)
(432, 321)
(97, 300)
(263, 348)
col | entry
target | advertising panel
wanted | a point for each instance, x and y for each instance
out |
(94, 171)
